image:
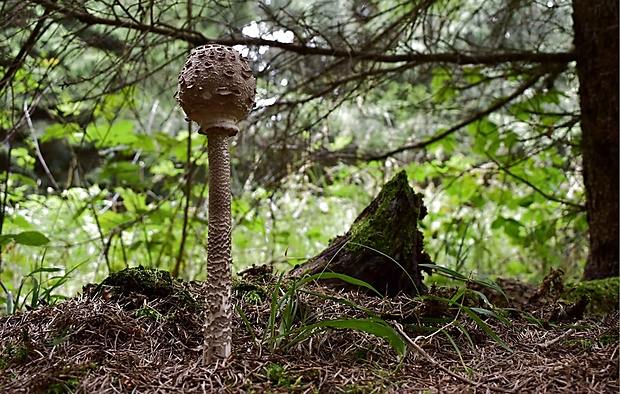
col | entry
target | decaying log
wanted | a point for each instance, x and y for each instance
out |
(383, 247)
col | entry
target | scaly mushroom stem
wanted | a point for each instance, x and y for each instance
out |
(217, 327)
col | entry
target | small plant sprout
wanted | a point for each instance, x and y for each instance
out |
(217, 89)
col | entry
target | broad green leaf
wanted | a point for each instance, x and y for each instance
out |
(144, 142)
(127, 173)
(120, 133)
(60, 130)
(447, 144)
(166, 167)
(441, 85)
(512, 228)
(473, 74)
(29, 238)
(23, 157)
(134, 202)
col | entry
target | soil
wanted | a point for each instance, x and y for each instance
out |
(131, 336)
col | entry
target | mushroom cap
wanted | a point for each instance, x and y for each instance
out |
(216, 87)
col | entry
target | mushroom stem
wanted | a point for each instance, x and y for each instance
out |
(217, 328)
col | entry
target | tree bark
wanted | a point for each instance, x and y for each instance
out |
(596, 44)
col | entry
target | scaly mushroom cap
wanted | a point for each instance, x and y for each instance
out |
(216, 87)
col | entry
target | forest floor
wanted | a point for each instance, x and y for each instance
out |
(131, 337)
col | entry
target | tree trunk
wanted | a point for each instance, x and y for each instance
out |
(383, 247)
(596, 43)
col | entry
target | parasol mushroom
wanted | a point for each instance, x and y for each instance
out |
(217, 89)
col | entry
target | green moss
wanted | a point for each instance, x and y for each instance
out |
(148, 313)
(374, 230)
(249, 292)
(584, 344)
(149, 282)
(144, 281)
(603, 295)
(278, 375)
(12, 354)
(608, 339)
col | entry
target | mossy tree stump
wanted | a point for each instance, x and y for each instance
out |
(383, 247)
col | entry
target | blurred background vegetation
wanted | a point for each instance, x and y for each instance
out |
(477, 101)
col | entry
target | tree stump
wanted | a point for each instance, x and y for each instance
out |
(383, 247)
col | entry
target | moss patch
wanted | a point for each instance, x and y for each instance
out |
(144, 281)
(147, 282)
(603, 295)
(374, 231)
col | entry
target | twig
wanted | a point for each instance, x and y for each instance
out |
(37, 147)
(556, 340)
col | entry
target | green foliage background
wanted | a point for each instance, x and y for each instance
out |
(101, 171)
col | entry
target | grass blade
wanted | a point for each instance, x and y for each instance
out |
(373, 326)
(342, 277)
(486, 328)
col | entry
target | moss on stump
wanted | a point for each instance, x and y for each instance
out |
(383, 247)
(147, 283)
(603, 295)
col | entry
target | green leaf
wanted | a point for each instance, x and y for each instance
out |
(453, 343)
(134, 202)
(512, 228)
(374, 326)
(125, 172)
(472, 74)
(448, 143)
(23, 157)
(447, 271)
(526, 201)
(441, 85)
(59, 131)
(35, 293)
(120, 133)
(482, 126)
(166, 167)
(484, 311)
(342, 277)
(340, 142)
(497, 223)
(44, 269)
(29, 238)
